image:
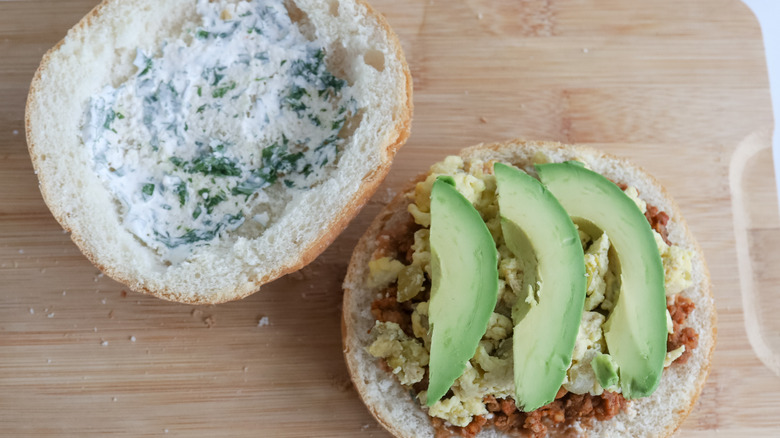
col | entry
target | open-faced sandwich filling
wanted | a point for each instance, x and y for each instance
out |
(196, 150)
(217, 126)
(484, 395)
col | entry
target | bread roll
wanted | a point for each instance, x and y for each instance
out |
(196, 150)
(660, 414)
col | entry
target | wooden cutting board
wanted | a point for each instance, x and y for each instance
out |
(678, 87)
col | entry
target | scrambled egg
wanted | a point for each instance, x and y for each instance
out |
(411, 278)
(633, 193)
(596, 265)
(677, 266)
(671, 356)
(490, 370)
(420, 324)
(458, 412)
(468, 185)
(499, 327)
(580, 378)
(383, 271)
(405, 356)
(510, 275)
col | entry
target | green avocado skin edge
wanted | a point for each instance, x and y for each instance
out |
(464, 285)
(540, 233)
(636, 328)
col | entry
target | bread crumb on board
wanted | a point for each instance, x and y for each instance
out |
(262, 322)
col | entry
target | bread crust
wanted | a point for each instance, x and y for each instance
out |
(519, 153)
(399, 133)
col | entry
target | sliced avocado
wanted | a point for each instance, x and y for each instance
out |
(464, 285)
(540, 233)
(636, 329)
(606, 370)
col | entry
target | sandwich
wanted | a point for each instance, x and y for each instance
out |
(529, 289)
(196, 150)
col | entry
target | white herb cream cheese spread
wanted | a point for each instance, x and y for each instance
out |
(191, 143)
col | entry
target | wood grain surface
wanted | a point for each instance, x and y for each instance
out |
(678, 87)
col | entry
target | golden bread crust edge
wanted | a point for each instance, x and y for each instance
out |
(402, 199)
(370, 183)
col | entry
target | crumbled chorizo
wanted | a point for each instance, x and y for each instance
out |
(491, 404)
(396, 241)
(507, 406)
(388, 309)
(680, 308)
(687, 337)
(474, 427)
(608, 405)
(579, 405)
(559, 414)
(658, 221)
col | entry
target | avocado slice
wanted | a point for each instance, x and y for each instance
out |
(606, 370)
(636, 329)
(464, 285)
(540, 233)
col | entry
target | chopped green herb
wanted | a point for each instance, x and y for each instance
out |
(203, 34)
(213, 201)
(176, 161)
(109, 119)
(196, 213)
(147, 67)
(217, 77)
(199, 91)
(148, 189)
(120, 116)
(255, 182)
(221, 91)
(297, 92)
(210, 165)
(181, 190)
(201, 108)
